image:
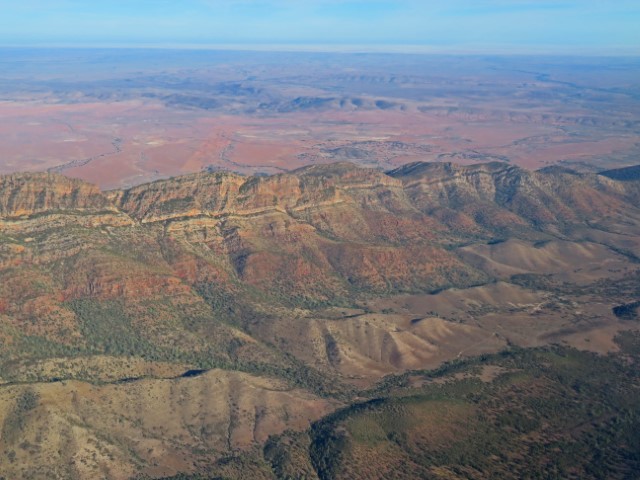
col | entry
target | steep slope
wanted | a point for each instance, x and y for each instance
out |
(497, 197)
(33, 193)
(154, 426)
(339, 225)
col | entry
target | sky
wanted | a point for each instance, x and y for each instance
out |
(563, 26)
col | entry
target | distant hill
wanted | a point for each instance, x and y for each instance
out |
(623, 174)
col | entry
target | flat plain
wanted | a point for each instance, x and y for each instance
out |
(123, 117)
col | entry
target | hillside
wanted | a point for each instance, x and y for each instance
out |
(245, 307)
(628, 173)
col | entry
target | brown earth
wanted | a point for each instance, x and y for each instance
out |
(161, 427)
(285, 294)
(122, 120)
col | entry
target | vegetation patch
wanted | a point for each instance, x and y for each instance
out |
(556, 413)
(628, 311)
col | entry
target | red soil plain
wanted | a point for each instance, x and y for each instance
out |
(121, 127)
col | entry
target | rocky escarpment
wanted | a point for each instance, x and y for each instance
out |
(33, 203)
(225, 193)
(323, 234)
(25, 194)
(545, 196)
(314, 233)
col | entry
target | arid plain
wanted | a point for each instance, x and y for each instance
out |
(122, 117)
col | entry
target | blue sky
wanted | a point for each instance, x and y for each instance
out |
(597, 26)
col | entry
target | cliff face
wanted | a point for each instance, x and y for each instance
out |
(314, 234)
(229, 194)
(26, 194)
(546, 196)
(191, 195)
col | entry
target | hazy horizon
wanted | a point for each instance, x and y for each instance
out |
(587, 27)
(347, 49)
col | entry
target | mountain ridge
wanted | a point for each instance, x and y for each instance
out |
(222, 193)
(326, 282)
